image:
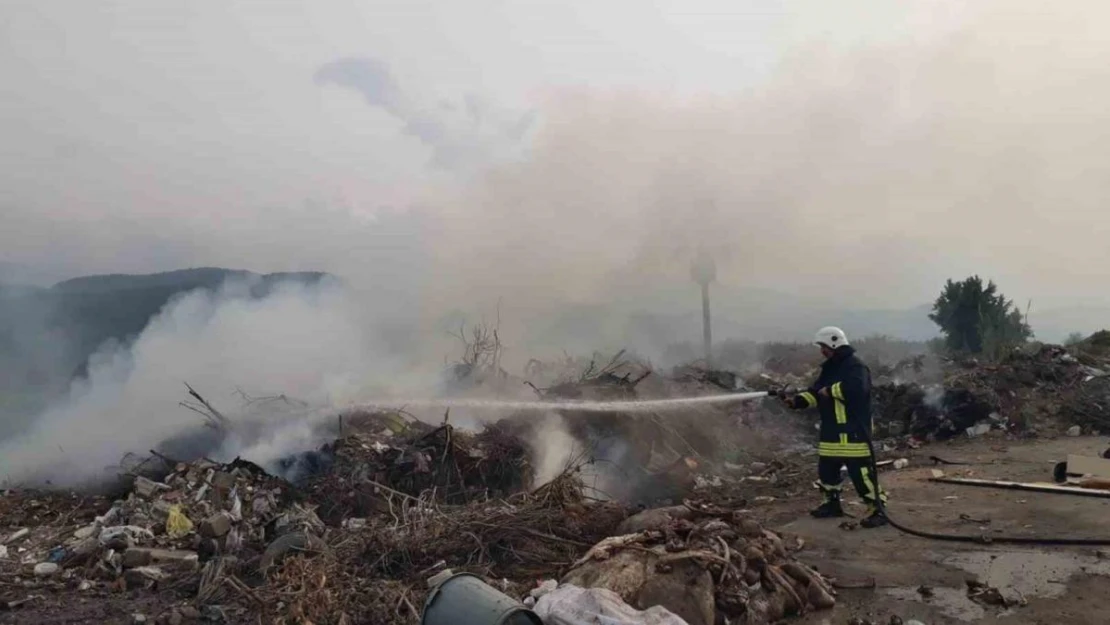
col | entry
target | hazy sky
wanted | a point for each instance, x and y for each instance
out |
(447, 156)
(857, 151)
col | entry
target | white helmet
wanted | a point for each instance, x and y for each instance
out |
(831, 337)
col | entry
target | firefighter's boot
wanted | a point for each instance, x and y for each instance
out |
(828, 510)
(875, 518)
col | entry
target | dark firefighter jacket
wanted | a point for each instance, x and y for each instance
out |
(846, 412)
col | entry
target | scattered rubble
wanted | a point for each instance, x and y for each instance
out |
(700, 560)
(1038, 389)
(350, 532)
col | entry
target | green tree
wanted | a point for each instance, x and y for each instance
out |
(978, 319)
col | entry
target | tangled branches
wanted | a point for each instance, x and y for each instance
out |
(524, 536)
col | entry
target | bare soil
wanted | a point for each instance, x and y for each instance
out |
(1060, 584)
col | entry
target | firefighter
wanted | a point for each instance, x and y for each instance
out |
(842, 396)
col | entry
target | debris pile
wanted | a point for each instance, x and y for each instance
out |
(201, 527)
(1028, 391)
(615, 380)
(929, 413)
(372, 468)
(703, 562)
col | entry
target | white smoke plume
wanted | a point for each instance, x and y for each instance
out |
(850, 176)
(310, 343)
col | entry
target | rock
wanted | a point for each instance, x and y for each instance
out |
(624, 573)
(143, 576)
(190, 613)
(124, 536)
(819, 598)
(134, 558)
(146, 488)
(216, 526)
(544, 588)
(750, 528)
(298, 518)
(223, 480)
(175, 618)
(978, 430)
(354, 524)
(735, 468)
(901, 463)
(178, 559)
(207, 547)
(1074, 430)
(439, 578)
(288, 544)
(88, 531)
(655, 519)
(46, 569)
(84, 585)
(687, 591)
(138, 618)
(17, 535)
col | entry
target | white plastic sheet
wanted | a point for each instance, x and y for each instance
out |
(571, 605)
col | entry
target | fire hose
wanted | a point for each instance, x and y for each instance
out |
(963, 538)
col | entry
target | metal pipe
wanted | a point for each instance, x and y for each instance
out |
(707, 329)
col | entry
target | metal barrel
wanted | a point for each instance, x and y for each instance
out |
(464, 599)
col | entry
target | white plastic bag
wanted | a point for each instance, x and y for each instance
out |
(571, 605)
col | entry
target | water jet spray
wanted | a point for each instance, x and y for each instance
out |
(642, 405)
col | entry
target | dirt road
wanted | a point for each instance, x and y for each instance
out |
(1061, 585)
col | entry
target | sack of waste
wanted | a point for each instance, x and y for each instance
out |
(571, 605)
(177, 524)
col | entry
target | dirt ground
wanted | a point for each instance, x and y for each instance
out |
(1061, 584)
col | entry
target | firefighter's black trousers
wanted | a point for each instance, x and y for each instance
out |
(859, 471)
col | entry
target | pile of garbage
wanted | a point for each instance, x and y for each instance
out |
(1040, 389)
(233, 543)
(929, 413)
(349, 532)
(200, 527)
(383, 457)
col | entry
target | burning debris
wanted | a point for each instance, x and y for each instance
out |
(349, 531)
(374, 468)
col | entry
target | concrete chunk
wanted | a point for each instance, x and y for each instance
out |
(178, 559)
(289, 544)
(143, 576)
(46, 569)
(216, 526)
(147, 488)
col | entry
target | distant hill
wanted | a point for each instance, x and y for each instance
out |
(48, 334)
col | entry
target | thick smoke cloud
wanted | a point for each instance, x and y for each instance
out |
(309, 343)
(850, 178)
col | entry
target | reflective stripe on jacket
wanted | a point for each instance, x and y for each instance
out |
(846, 411)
